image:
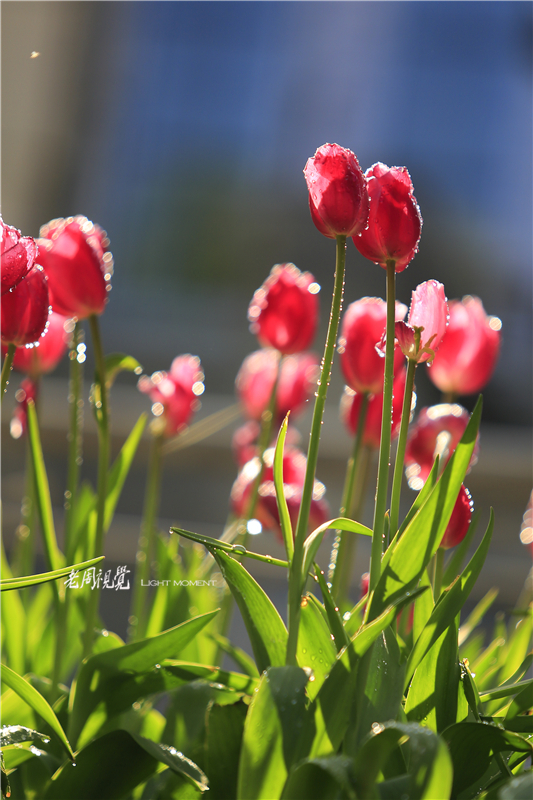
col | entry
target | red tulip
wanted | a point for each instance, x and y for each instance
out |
(469, 349)
(351, 407)
(362, 330)
(437, 431)
(256, 377)
(244, 442)
(48, 353)
(266, 510)
(18, 254)
(175, 394)
(19, 421)
(338, 198)
(74, 255)
(284, 311)
(459, 521)
(394, 220)
(25, 309)
(420, 337)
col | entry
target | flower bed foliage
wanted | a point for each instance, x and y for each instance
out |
(397, 697)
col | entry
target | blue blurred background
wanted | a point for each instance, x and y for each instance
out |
(183, 127)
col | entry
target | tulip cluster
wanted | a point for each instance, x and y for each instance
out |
(174, 394)
(266, 508)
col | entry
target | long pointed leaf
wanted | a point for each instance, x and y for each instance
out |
(268, 635)
(7, 584)
(99, 673)
(450, 604)
(422, 536)
(312, 543)
(283, 509)
(120, 469)
(54, 557)
(36, 701)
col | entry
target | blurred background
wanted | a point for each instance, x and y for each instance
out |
(182, 128)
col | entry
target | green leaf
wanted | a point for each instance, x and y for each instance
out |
(422, 496)
(504, 691)
(119, 362)
(283, 509)
(13, 735)
(430, 768)
(13, 622)
(422, 536)
(217, 545)
(225, 726)
(471, 745)
(320, 779)
(432, 698)
(379, 689)
(32, 580)
(518, 645)
(175, 760)
(275, 733)
(34, 699)
(332, 612)
(453, 567)
(450, 604)
(120, 469)
(241, 658)
(268, 635)
(522, 702)
(475, 617)
(100, 674)
(316, 650)
(423, 607)
(53, 555)
(312, 543)
(110, 767)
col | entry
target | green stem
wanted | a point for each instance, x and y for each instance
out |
(102, 416)
(400, 452)
(296, 581)
(23, 559)
(74, 441)
(6, 367)
(343, 549)
(384, 450)
(145, 547)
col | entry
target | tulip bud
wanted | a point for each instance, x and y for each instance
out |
(175, 394)
(362, 329)
(284, 311)
(459, 521)
(420, 337)
(437, 431)
(266, 509)
(350, 409)
(257, 375)
(469, 349)
(17, 254)
(52, 347)
(338, 198)
(74, 255)
(394, 220)
(25, 309)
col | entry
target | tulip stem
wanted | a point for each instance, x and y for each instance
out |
(296, 580)
(6, 366)
(102, 417)
(74, 439)
(400, 452)
(384, 450)
(343, 546)
(145, 546)
(438, 572)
